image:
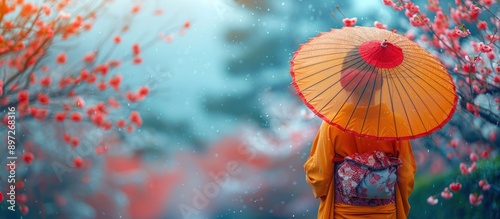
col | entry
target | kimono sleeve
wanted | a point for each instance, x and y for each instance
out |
(406, 177)
(319, 166)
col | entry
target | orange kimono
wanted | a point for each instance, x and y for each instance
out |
(319, 169)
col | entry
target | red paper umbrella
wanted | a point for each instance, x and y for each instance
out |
(373, 83)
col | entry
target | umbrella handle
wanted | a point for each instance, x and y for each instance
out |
(384, 43)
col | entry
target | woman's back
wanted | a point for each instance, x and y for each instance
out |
(332, 145)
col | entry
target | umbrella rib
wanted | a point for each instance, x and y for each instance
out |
(392, 107)
(380, 107)
(320, 55)
(419, 96)
(404, 107)
(412, 103)
(429, 94)
(371, 96)
(330, 85)
(412, 67)
(320, 49)
(359, 81)
(427, 63)
(328, 60)
(307, 76)
(405, 45)
(399, 39)
(380, 103)
(349, 40)
(425, 67)
(364, 37)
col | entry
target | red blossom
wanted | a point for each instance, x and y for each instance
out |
(45, 81)
(97, 119)
(471, 107)
(135, 118)
(113, 103)
(137, 60)
(446, 194)
(379, 25)
(103, 69)
(60, 116)
(462, 32)
(89, 58)
(143, 91)
(22, 198)
(106, 125)
(4, 100)
(475, 200)
(472, 167)
(24, 209)
(78, 162)
(27, 9)
(84, 74)
(39, 113)
(130, 129)
(121, 123)
(388, 2)
(28, 157)
(23, 96)
(455, 187)
(76, 117)
(131, 97)
(102, 86)
(92, 79)
(114, 63)
(136, 49)
(115, 82)
(463, 169)
(79, 102)
(46, 9)
(75, 142)
(117, 39)
(43, 99)
(101, 149)
(349, 22)
(20, 185)
(493, 134)
(473, 157)
(32, 78)
(412, 7)
(491, 56)
(432, 201)
(136, 8)
(101, 107)
(482, 25)
(484, 185)
(158, 12)
(61, 58)
(66, 137)
(418, 20)
(484, 48)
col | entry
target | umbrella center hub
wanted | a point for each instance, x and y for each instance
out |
(381, 54)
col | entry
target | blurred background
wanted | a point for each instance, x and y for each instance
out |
(223, 133)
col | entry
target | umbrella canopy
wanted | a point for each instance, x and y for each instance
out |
(373, 83)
